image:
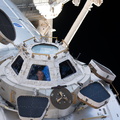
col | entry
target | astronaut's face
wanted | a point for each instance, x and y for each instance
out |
(40, 75)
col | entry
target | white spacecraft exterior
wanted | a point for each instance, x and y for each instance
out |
(70, 89)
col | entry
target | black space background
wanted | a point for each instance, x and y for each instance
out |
(98, 36)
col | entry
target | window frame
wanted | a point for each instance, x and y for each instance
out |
(14, 64)
(42, 67)
(71, 66)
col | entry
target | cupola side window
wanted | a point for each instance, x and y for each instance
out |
(66, 69)
(17, 64)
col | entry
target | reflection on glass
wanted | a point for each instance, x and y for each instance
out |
(17, 65)
(39, 72)
(44, 49)
(66, 69)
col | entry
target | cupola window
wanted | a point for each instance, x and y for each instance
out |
(39, 72)
(66, 69)
(17, 64)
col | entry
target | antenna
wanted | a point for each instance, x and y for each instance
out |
(78, 56)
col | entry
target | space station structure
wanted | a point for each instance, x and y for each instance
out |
(42, 12)
(50, 9)
(40, 79)
(66, 81)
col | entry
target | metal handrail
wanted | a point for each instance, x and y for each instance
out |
(41, 54)
(65, 50)
(94, 117)
(29, 39)
(65, 43)
(117, 93)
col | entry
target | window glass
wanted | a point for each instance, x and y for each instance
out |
(66, 69)
(17, 65)
(39, 72)
(44, 49)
